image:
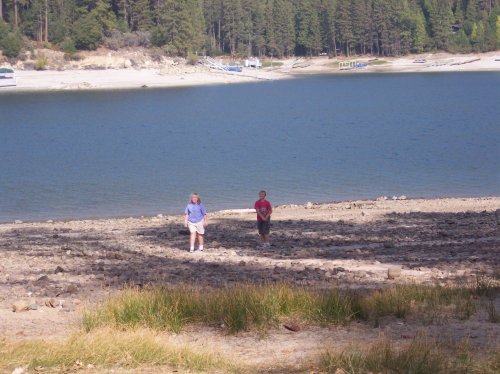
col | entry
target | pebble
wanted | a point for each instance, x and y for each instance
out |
(67, 310)
(71, 289)
(393, 272)
(20, 306)
(42, 279)
(51, 303)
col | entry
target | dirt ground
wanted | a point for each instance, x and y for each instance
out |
(76, 264)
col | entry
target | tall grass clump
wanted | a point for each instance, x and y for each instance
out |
(244, 306)
(493, 314)
(421, 356)
(237, 308)
(402, 300)
(106, 348)
(158, 308)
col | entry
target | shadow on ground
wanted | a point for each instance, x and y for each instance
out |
(304, 252)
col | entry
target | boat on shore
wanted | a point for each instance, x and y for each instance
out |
(7, 77)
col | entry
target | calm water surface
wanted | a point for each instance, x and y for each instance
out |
(95, 154)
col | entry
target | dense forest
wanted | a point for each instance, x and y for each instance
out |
(253, 27)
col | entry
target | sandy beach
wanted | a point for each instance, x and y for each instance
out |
(112, 70)
(350, 244)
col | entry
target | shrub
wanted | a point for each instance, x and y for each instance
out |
(158, 38)
(170, 50)
(192, 59)
(118, 40)
(41, 62)
(68, 47)
(11, 44)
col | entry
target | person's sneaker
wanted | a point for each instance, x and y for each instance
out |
(200, 249)
(191, 250)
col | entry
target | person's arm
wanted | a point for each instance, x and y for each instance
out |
(269, 211)
(259, 214)
(205, 217)
(186, 215)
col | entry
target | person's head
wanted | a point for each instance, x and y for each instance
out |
(262, 194)
(195, 198)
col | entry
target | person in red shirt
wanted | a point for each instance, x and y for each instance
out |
(264, 210)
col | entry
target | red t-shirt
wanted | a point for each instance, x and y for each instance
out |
(263, 207)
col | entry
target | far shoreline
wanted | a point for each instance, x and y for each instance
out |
(117, 77)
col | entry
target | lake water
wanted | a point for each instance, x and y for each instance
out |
(321, 138)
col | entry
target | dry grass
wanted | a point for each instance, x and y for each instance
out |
(421, 356)
(106, 348)
(123, 331)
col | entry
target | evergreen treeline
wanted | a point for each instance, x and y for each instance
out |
(254, 27)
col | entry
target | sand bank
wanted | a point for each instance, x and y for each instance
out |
(99, 72)
(127, 79)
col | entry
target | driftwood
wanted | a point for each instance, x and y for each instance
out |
(465, 62)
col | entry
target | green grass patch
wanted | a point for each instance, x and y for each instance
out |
(271, 64)
(243, 307)
(105, 348)
(237, 308)
(377, 62)
(421, 356)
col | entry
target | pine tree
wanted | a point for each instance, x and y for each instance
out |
(181, 25)
(308, 27)
(381, 27)
(259, 28)
(327, 20)
(420, 39)
(362, 25)
(213, 15)
(246, 34)
(233, 23)
(343, 24)
(283, 25)
(440, 20)
(141, 16)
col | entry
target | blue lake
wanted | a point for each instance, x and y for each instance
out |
(319, 138)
